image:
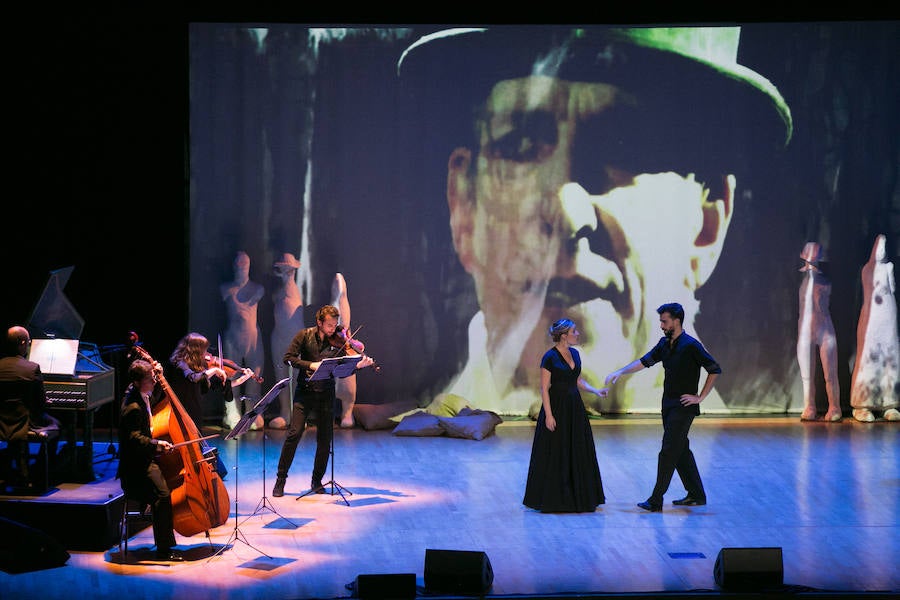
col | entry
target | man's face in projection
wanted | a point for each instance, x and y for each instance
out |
(562, 211)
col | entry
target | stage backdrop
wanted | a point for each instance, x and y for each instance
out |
(305, 140)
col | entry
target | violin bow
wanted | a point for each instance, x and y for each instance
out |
(221, 352)
(195, 441)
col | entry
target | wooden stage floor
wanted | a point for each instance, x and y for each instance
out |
(827, 494)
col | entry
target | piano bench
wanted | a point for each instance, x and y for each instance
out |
(40, 481)
(38, 462)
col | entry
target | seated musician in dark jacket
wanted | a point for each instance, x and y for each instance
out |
(141, 477)
(22, 400)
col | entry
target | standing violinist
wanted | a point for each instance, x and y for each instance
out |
(141, 477)
(305, 353)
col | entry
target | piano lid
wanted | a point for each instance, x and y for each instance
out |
(53, 315)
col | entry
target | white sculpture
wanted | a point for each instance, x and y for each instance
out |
(242, 343)
(288, 312)
(345, 389)
(875, 385)
(815, 331)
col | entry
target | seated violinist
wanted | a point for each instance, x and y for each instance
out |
(142, 479)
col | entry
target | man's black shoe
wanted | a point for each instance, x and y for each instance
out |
(317, 487)
(650, 507)
(689, 501)
(169, 555)
(278, 490)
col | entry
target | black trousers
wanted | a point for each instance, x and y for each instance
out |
(304, 404)
(676, 455)
(154, 491)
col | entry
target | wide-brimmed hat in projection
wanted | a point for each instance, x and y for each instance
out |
(691, 75)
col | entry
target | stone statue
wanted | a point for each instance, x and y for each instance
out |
(345, 389)
(875, 386)
(288, 312)
(815, 332)
(242, 343)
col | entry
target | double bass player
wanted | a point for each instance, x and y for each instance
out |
(161, 459)
(140, 475)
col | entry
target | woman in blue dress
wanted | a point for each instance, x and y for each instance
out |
(563, 475)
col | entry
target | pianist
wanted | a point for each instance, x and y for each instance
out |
(21, 383)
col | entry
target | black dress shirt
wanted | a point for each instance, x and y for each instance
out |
(305, 349)
(682, 361)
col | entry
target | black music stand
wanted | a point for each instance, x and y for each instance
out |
(242, 427)
(333, 368)
(258, 409)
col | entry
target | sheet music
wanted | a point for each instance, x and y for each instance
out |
(55, 356)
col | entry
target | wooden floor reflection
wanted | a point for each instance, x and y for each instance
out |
(827, 494)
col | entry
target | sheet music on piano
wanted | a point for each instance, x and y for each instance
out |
(56, 356)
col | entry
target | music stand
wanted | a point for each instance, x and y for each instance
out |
(258, 409)
(242, 427)
(331, 368)
(336, 368)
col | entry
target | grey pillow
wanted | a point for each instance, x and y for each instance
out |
(420, 424)
(472, 424)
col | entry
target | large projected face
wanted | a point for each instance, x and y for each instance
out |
(555, 216)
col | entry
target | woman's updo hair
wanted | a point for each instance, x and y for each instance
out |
(561, 327)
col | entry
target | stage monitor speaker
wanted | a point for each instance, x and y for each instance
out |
(457, 571)
(749, 569)
(394, 586)
(27, 549)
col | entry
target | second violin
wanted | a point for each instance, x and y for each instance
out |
(236, 374)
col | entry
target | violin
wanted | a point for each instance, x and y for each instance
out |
(350, 345)
(235, 373)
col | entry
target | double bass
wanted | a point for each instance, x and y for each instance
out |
(199, 499)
